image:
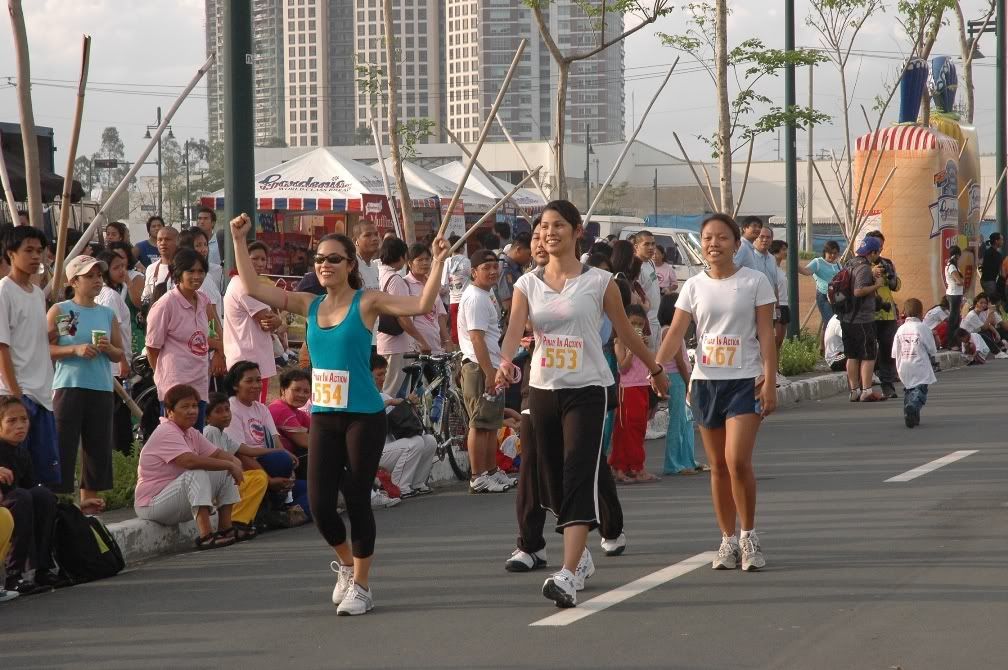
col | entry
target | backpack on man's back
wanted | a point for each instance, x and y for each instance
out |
(840, 291)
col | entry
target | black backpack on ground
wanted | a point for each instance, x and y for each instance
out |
(83, 547)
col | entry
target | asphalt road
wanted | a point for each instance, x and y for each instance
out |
(861, 573)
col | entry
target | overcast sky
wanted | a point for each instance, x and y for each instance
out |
(144, 52)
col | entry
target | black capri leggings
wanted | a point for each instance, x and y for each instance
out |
(568, 432)
(343, 453)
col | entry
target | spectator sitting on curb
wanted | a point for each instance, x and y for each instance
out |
(983, 321)
(32, 506)
(833, 341)
(292, 422)
(254, 482)
(6, 533)
(407, 459)
(936, 320)
(182, 475)
(972, 347)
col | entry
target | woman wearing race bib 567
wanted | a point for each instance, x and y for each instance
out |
(348, 415)
(564, 302)
(734, 382)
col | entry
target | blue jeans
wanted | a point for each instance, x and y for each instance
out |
(915, 397)
(825, 309)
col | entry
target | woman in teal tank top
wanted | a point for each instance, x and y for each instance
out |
(348, 428)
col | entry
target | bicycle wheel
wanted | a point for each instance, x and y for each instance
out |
(454, 434)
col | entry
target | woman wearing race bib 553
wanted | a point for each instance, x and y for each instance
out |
(734, 383)
(564, 302)
(348, 415)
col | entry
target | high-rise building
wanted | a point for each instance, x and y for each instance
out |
(481, 40)
(306, 72)
(416, 25)
(267, 30)
(341, 90)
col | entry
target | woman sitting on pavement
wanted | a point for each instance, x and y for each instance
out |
(291, 421)
(408, 459)
(253, 426)
(182, 475)
(32, 507)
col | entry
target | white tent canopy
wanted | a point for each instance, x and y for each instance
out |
(524, 198)
(445, 188)
(321, 180)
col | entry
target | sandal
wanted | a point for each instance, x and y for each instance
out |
(645, 477)
(623, 478)
(703, 467)
(216, 540)
(243, 531)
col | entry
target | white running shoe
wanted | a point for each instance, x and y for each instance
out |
(357, 600)
(523, 561)
(344, 577)
(752, 553)
(1000, 355)
(380, 500)
(614, 547)
(728, 554)
(585, 569)
(560, 589)
(486, 483)
(504, 478)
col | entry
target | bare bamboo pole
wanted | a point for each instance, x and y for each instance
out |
(962, 149)
(400, 232)
(689, 163)
(484, 131)
(479, 166)
(965, 188)
(493, 210)
(514, 145)
(629, 143)
(991, 195)
(8, 191)
(864, 218)
(33, 184)
(826, 193)
(65, 205)
(102, 216)
(710, 185)
(871, 182)
(745, 181)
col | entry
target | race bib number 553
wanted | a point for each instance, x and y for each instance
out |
(561, 352)
(330, 388)
(721, 351)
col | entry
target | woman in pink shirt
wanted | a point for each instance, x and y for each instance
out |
(433, 326)
(178, 341)
(667, 280)
(249, 323)
(181, 475)
(392, 255)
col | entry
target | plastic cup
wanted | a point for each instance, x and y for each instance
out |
(97, 335)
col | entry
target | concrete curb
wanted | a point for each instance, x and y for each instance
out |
(141, 540)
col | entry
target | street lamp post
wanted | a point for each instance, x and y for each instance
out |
(588, 153)
(147, 136)
(188, 197)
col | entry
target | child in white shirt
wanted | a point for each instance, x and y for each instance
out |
(913, 347)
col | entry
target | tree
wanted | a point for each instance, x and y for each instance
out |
(747, 64)
(597, 14)
(967, 50)
(362, 136)
(82, 169)
(392, 82)
(112, 148)
(612, 199)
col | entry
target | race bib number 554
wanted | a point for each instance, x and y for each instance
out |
(721, 351)
(330, 388)
(561, 352)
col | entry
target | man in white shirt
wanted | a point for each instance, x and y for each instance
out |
(160, 270)
(744, 257)
(479, 340)
(644, 250)
(454, 281)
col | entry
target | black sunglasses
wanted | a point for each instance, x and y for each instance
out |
(332, 259)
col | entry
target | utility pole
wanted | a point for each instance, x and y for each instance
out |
(239, 124)
(808, 170)
(656, 196)
(791, 170)
(160, 190)
(188, 196)
(1001, 90)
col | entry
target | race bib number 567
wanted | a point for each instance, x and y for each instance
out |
(330, 388)
(721, 351)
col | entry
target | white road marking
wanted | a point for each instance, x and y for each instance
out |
(932, 466)
(627, 591)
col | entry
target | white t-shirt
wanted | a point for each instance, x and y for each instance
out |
(934, 316)
(649, 282)
(211, 289)
(478, 310)
(111, 298)
(156, 272)
(951, 287)
(23, 329)
(912, 348)
(782, 289)
(973, 322)
(834, 341)
(250, 424)
(456, 277)
(725, 314)
(369, 276)
(568, 348)
(980, 345)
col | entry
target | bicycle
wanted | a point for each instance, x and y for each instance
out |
(439, 403)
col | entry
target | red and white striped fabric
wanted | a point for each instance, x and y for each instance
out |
(906, 138)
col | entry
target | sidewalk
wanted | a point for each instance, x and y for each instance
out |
(142, 540)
